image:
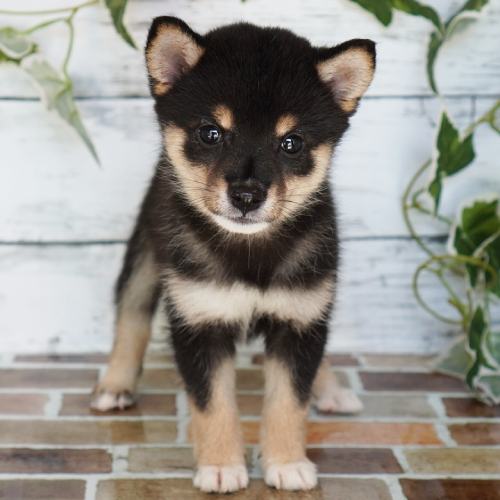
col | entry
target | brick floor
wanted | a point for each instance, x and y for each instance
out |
(420, 436)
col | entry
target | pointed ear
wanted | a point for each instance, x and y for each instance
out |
(348, 70)
(172, 49)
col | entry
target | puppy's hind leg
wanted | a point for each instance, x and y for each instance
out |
(135, 302)
(331, 396)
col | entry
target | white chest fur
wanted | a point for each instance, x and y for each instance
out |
(200, 302)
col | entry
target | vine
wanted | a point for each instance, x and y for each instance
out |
(474, 239)
(55, 86)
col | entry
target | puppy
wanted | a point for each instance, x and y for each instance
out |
(237, 235)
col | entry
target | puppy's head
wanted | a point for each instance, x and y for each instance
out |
(250, 116)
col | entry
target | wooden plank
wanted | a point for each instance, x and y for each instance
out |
(103, 65)
(51, 190)
(58, 298)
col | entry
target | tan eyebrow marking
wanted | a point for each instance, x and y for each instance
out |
(224, 116)
(286, 123)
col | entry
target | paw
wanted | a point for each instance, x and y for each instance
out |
(339, 400)
(105, 400)
(292, 476)
(223, 479)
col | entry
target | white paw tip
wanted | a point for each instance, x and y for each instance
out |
(223, 479)
(339, 401)
(292, 476)
(106, 401)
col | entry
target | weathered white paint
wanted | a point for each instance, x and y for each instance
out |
(53, 191)
(103, 65)
(59, 298)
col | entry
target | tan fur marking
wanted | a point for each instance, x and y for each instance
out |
(199, 302)
(217, 432)
(349, 74)
(283, 428)
(299, 189)
(169, 41)
(193, 178)
(224, 116)
(132, 331)
(286, 124)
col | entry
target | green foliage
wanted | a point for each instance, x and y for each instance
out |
(475, 237)
(453, 155)
(55, 85)
(117, 11)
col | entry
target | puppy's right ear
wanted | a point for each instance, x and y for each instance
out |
(172, 49)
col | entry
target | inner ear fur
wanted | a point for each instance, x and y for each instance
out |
(347, 70)
(172, 50)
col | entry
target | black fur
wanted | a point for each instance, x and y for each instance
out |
(260, 74)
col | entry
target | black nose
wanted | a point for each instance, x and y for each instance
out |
(246, 198)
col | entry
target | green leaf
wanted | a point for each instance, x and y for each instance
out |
(493, 343)
(476, 329)
(417, 9)
(14, 44)
(57, 93)
(467, 8)
(381, 9)
(456, 361)
(435, 43)
(117, 11)
(479, 223)
(453, 155)
(489, 387)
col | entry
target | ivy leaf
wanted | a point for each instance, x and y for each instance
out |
(381, 9)
(479, 223)
(117, 11)
(489, 386)
(457, 360)
(418, 9)
(435, 43)
(453, 155)
(14, 45)
(56, 92)
(476, 329)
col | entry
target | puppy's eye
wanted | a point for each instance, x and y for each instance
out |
(209, 134)
(292, 144)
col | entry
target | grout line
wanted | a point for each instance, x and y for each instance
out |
(395, 488)
(401, 458)
(53, 405)
(120, 455)
(91, 488)
(440, 425)
(353, 379)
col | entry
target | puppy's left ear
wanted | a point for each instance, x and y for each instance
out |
(347, 70)
(172, 50)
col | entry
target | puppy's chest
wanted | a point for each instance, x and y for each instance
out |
(199, 302)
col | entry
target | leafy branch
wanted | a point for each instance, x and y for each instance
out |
(55, 86)
(475, 237)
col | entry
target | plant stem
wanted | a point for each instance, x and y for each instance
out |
(53, 11)
(43, 25)
(69, 22)
(406, 208)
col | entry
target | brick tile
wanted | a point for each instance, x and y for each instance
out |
(42, 490)
(170, 489)
(398, 360)
(358, 433)
(396, 406)
(147, 404)
(354, 461)
(62, 358)
(335, 359)
(476, 434)
(22, 404)
(470, 407)
(249, 379)
(177, 459)
(26, 461)
(162, 378)
(451, 489)
(454, 461)
(97, 432)
(428, 382)
(250, 404)
(159, 357)
(47, 378)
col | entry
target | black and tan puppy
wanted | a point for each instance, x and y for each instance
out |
(237, 235)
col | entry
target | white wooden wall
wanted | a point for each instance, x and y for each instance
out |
(63, 220)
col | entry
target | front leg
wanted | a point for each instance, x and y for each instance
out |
(292, 359)
(205, 357)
